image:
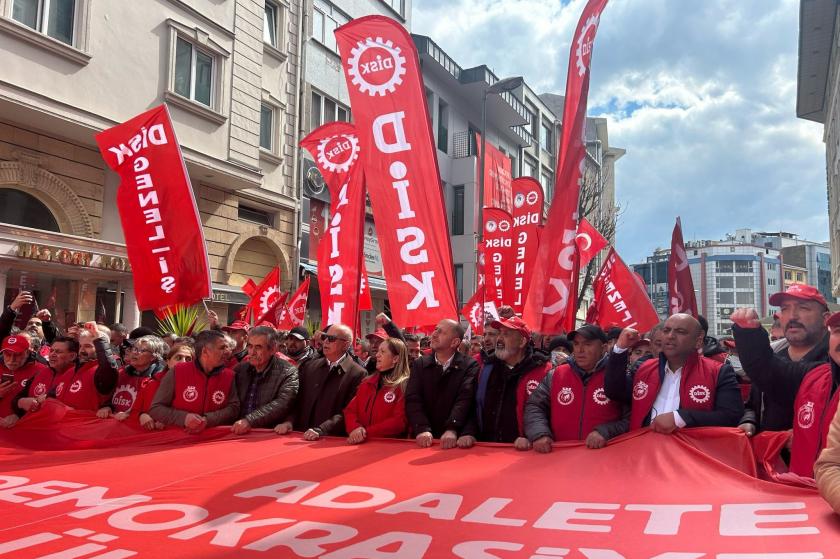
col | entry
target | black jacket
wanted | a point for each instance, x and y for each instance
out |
(438, 400)
(497, 420)
(277, 389)
(729, 406)
(323, 394)
(775, 378)
(537, 414)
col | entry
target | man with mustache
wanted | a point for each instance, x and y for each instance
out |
(802, 315)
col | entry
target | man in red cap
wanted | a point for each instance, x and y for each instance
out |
(19, 369)
(385, 328)
(503, 386)
(802, 314)
(570, 404)
(238, 331)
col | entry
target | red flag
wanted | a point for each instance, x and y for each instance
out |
(589, 242)
(498, 190)
(365, 301)
(249, 287)
(498, 245)
(266, 294)
(335, 147)
(620, 298)
(680, 285)
(552, 301)
(160, 221)
(381, 66)
(294, 314)
(473, 311)
(276, 308)
(527, 219)
(479, 267)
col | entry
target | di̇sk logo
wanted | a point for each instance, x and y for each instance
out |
(531, 385)
(376, 67)
(190, 394)
(268, 298)
(337, 153)
(805, 415)
(583, 52)
(389, 397)
(124, 397)
(640, 390)
(531, 198)
(490, 226)
(12, 340)
(700, 394)
(476, 316)
(565, 396)
(600, 397)
(76, 386)
(519, 200)
(41, 389)
(504, 226)
(218, 397)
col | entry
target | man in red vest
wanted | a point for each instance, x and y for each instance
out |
(200, 393)
(681, 388)
(90, 383)
(570, 404)
(19, 368)
(807, 389)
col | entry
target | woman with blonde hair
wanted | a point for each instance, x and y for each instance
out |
(378, 408)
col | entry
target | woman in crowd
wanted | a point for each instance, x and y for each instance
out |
(378, 409)
(180, 352)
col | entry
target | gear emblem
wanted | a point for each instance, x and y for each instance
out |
(476, 315)
(700, 394)
(600, 397)
(583, 52)
(268, 297)
(372, 59)
(337, 153)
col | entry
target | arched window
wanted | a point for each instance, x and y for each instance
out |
(20, 208)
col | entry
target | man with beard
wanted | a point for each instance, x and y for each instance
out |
(89, 384)
(802, 315)
(297, 346)
(412, 344)
(441, 388)
(488, 344)
(504, 385)
(19, 369)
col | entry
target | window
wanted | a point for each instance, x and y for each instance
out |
(744, 298)
(724, 266)
(443, 126)
(726, 297)
(457, 220)
(744, 282)
(193, 73)
(724, 282)
(547, 183)
(788, 275)
(326, 110)
(533, 119)
(771, 281)
(325, 18)
(266, 127)
(529, 166)
(546, 136)
(396, 5)
(743, 266)
(54, 18)
(270, 24)
(459, 284)
(255, 216)
(197, 81)
(20, 208)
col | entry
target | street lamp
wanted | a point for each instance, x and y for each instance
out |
(501, 86)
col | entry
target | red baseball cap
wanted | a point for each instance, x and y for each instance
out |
(237, 325)
(15, 344)
(798, 291)
(513, 323)
(379, 333)
(831, 321)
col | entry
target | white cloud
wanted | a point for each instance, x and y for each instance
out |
(701, 94)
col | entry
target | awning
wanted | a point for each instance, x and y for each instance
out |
(377, 284)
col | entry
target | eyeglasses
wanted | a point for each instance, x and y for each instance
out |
(330, 338)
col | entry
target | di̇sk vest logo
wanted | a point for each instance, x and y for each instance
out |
(565, 396)
(190, 394)
(805, 415)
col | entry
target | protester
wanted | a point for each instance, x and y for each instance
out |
(488, 344)
(19, 369)
(63, 357)
(90, 383)
(559, 348)
(476, 343)
(378, 409)
(640, 350)
(802, 315)
(808, 389)
(119, 339)
(412, 343)
(441, 389)
(361, 349)
(317, 343)
(504, 385)
(612, 336)
(200, 393)
(179, 353)
(238, 331)
(297, 346)
(570, 404)
(827, 468)
(776, 330)
(327, 384)
(385, 329)
(267, 385)
(655, 336)
(7, 319)
(681, 388)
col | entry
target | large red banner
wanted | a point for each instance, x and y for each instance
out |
(163, 234)
(689, 495)
(389, 108)
(527, 215)
(620, 298)
(552, 302)
(680, 285)
(335, 147)
(499, 255)
(498, 188)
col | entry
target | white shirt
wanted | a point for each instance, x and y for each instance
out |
(668, 399)
(448, 362)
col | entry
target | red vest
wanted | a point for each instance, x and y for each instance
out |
(698, 384)
(75, 387)
(23, 377)
(195, 392)
(814, 409)
(527, 384)
(134, 393)
(576, 409)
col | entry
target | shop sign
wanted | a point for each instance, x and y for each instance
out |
(45, 253)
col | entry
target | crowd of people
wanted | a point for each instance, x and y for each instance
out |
(510, 385)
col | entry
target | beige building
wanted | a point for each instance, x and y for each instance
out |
(71, 68)
(818, 99)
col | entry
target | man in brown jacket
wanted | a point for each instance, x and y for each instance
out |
(827, 468)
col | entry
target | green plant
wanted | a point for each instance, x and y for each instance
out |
(182, 320)
(312, 326)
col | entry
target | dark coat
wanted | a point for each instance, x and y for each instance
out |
(324, 393)
(438, 400)
(277, 389)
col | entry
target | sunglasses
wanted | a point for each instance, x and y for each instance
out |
(330, 338)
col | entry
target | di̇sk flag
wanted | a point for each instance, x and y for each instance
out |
(552, 301)
(680, 285)
(620, 299)
(527, 221)
(499, 255)
(275, 311)
(265, 295)
(386, 90)
(589, 242)
(498, 190)
(163, 234)
(335, 147)
(473, 311)
(294, 313)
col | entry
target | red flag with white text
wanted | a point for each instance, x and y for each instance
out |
(162, 228)
(680, 285)
(388, 99)
(276, 310)
(620, 299)
(499, 256)
(552, 301)
(266, 294)
(473, 311)
(527, 221)
(589, 242)
(335, 147)
(294, 312)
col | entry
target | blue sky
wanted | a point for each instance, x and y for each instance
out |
(701, 94)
